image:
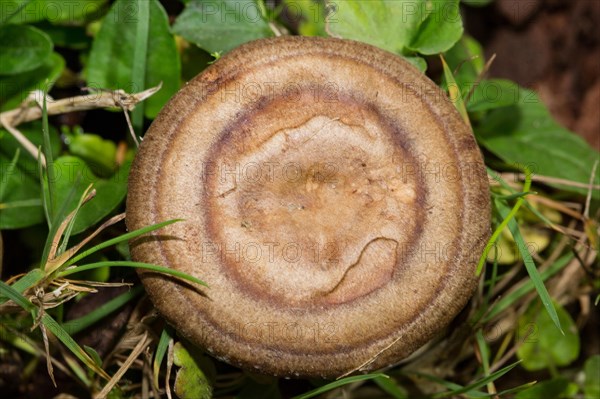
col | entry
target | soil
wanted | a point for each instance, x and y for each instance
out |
(551, 46)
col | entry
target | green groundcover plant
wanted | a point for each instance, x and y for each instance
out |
(62, 190)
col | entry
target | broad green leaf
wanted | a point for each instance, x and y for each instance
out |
(543, 344)
(20, 11)
(21, 205)
(15, 89)
(221, 25)
(592, 377)
(309, 15)
(23, 49)
(111, 62)
(193, 60)
(73, 37)
(67, 12)
(526, 134)
(98, 153)
(440, 30)
(110, 192)
(191, 381)
(404, 27)
(491, 94)
(388, 24)
(557, 388)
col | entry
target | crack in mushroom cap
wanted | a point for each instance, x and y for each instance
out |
(332, 199)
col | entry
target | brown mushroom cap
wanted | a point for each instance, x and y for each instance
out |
(333, 200)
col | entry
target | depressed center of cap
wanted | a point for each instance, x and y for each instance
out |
(333, 200)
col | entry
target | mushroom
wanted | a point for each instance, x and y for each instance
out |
(332, 198)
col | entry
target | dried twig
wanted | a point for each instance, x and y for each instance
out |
(100, 99)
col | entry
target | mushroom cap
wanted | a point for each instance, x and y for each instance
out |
(333, 200)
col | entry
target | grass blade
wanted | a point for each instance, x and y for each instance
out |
(161, 350)
(454, 93)
(534, 274)
(8, 172)
(77, 325)
(137, 265)
(138, 69)
(339, 383)
(509, 216)
(86, 196)
(25, 282)
(70, 343)
(47, 149)
(14, 295)
(389, 386)
(508, 300)
(121, 238)
(478, 384)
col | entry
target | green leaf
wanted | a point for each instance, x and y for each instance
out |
(466, 60)
(98, 153)
(221, 25)
(508, 300)
(137, 265)
(122, 238)
(66, 12)
(404, 27)
(526, 134)
(20, 205)
(339, 383)
(10, 293)
(532, 270)
(592, 377)
(20, 11)
(93, 354)
(70, 343)
(454, 93)
(112, 62)
(391, 387)
(558, 388)
(388, 24)
(543, 344)
(471, 388)
(73, 37)
(76, 325)
(309, 15)
(440, 30)
(110, 192)
(23, 49)
(191, 382)
(16, 88)
(29, 280)
(161, 349)
(491, 94)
